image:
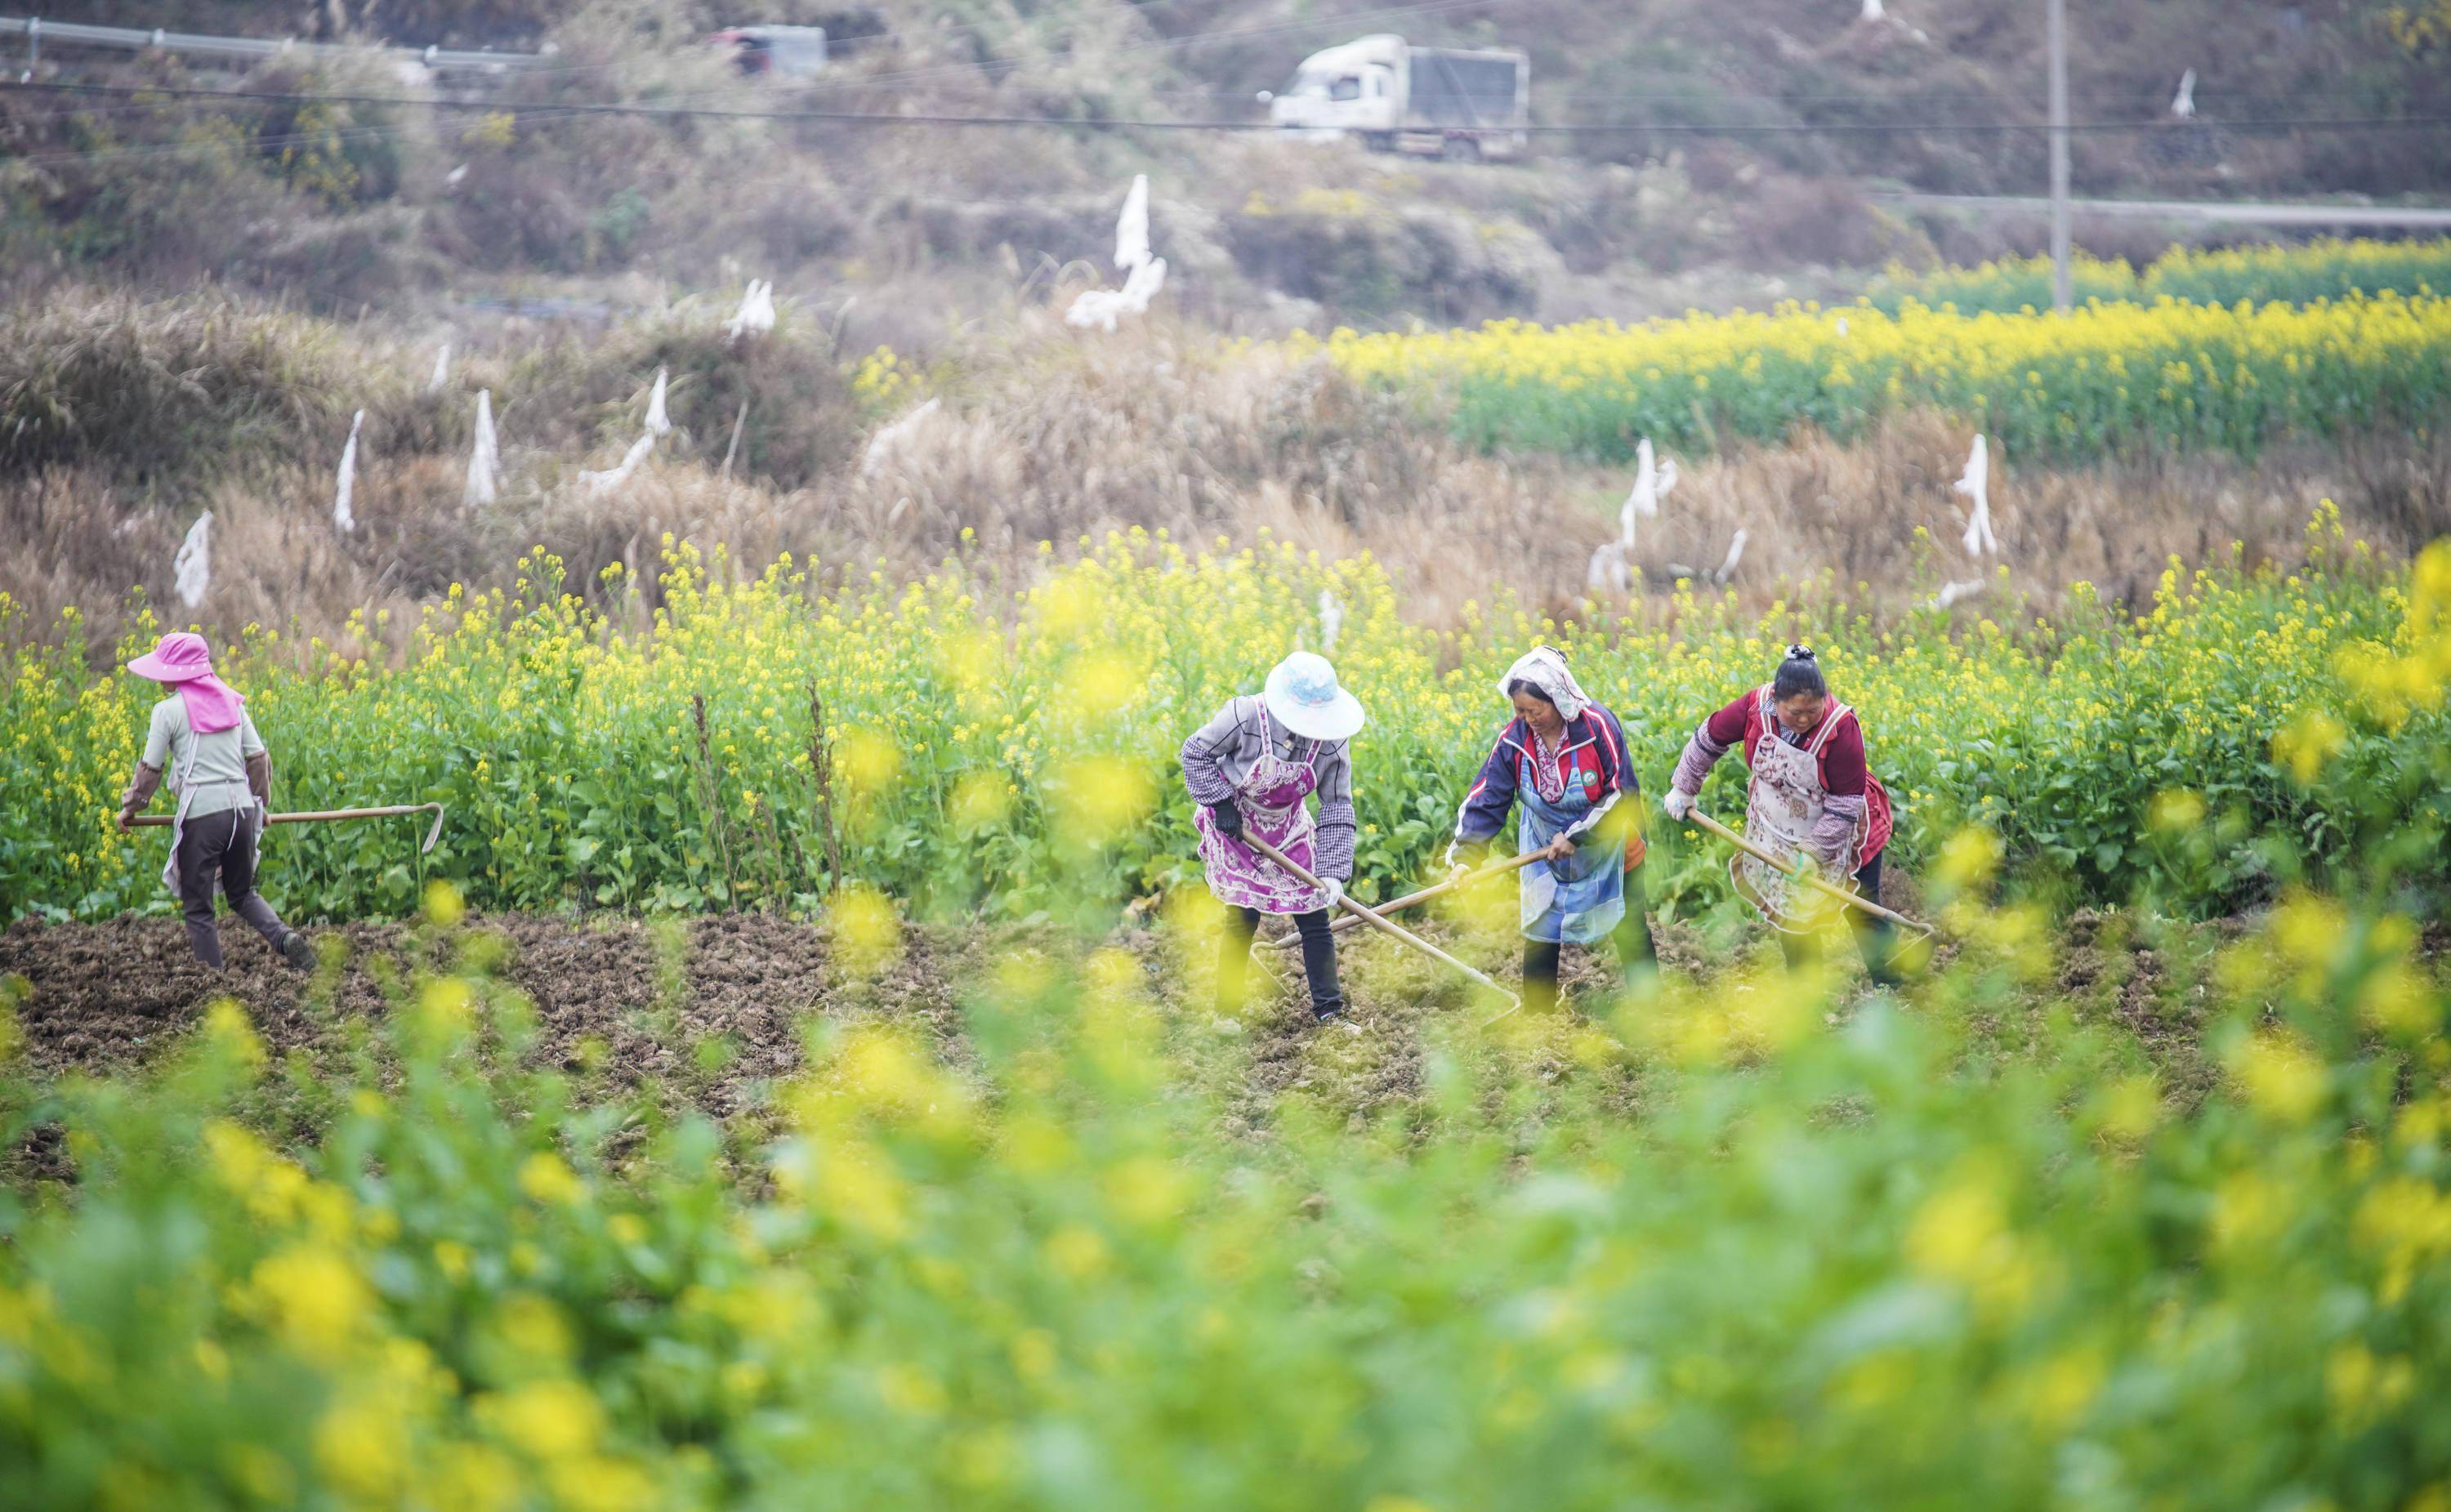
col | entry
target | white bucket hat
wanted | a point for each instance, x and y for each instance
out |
(1303, 697)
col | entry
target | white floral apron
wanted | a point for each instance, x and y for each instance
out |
(1271, 800)
(1784, 803)
(184, 788)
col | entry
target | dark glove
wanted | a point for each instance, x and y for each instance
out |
(1228, 819)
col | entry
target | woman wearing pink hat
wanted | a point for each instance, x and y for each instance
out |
(222, 775)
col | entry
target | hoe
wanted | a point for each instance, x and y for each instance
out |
(150, 821)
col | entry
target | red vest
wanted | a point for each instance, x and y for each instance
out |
(1878, 819)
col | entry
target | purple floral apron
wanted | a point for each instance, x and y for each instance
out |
(1271, 799)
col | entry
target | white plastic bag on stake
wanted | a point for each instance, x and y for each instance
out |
(1105, 307)
(1144, 274)
(1132, 226)
(604, 483)
(658, 422)
(1606, 572)
(755, 316)
(1143, 285)
(891, 438)
(482, 455)
(192, 568)
(1736, 555)
(1652, 482)
(1976, 484)
(346, 484)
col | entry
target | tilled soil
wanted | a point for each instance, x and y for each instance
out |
(113, 993)
(648, 993)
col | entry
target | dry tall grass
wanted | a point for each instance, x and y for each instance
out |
(1048, 437)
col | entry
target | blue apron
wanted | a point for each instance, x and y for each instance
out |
(1577, 900)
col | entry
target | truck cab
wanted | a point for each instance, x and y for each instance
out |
(781, 52)
(1443, 102)
(1356, 86)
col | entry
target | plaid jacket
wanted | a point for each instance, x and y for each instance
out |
(1222, 752)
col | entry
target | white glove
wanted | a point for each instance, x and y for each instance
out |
(1335, 892)
(1678, 803)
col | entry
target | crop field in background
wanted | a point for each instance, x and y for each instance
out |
(2167, 375)
(2259, 275)
(2223, 351)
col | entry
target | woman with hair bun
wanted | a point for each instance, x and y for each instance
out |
(1811, 793)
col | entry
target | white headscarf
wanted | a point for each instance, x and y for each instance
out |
(1545, 667)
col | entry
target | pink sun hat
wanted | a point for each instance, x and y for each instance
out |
(184, 662)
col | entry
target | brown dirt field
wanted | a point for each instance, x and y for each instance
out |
(113, 995)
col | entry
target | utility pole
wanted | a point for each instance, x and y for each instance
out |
(2063, 280)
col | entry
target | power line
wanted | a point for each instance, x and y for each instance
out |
(140, 152)
(1733, 102)
(864, 118)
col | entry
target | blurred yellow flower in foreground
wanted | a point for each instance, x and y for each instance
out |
(547, 1419)
(2279, 1076)
(867, 934)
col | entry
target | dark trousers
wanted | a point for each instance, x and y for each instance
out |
(223, 846)
(1632, 939)
(1876, 938)
(1317, 952)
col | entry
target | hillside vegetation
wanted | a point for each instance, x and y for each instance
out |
(343, 204)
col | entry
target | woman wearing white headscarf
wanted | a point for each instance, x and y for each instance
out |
(1562, 760)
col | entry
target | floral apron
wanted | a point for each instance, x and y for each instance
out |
(1271, 798)
(1784, 803)
(182, 785)
(1577, 900)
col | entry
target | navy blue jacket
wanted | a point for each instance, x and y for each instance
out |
(1594, 753)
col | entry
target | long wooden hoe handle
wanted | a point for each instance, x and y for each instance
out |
(1854, 900)
(1351, 921)
(1373, 917)
(153, 821)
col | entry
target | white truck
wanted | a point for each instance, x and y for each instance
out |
(1447, 102)
(779, 52)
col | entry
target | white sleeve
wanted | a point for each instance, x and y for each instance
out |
(157, 737)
